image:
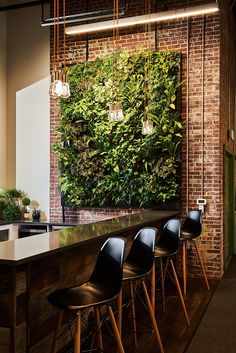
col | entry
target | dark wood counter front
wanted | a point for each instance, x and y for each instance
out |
(32, 267)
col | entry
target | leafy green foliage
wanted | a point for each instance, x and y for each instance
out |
(104, 163)
(11, 212)
(26, 201)
(15, 193)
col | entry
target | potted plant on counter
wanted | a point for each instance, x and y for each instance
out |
(11, 212)
(26, 203)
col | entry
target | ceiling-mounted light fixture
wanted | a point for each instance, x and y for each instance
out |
(139, 20)
(81, 17)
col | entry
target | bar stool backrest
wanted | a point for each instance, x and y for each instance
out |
(141, 253)
(193, 223)
(108, 270)
(170, 236)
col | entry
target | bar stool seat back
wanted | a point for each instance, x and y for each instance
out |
(104, 283)
(139, 261)
(169, 241)
(192, 226)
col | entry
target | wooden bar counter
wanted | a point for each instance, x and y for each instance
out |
(32, 267)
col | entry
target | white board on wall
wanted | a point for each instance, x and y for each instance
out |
(33, 143)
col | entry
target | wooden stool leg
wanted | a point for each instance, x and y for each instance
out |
(152, 317)
(98, 329)
(201, 263)
(179, 292)
(59, 321)
(92, 342)
(167, 265)
(153, 286)
(77, 332)
(184, 263)
(133, 314)
(162, 287)
(119, 312)
(115, 330)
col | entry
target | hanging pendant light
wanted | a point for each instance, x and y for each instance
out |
(59, 87)
(55, 88)
(147, 128)
(116, 112)
(115, 107)
(65, 87)
(147, 125)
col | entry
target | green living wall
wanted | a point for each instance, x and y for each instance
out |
(103, 163)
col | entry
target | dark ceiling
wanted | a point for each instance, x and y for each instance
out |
(7, 5)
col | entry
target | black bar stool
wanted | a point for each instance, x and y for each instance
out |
(102, 287)
(166, 247)
(137, 266)
(192, 228)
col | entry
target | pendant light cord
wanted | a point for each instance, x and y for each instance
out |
(187, 116)
(58, 34)
(54, 36)
(64, 33)
(203, 105)
(113, 54)
(147, 71)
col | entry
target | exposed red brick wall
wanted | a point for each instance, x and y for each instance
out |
(213, 116)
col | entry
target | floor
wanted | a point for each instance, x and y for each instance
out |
(174, 331)
(176, 336)
(216, 331)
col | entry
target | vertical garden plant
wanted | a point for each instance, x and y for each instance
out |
(103, 163)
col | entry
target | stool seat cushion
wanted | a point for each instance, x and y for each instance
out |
(185, 235)
(132, 271)
(162, 251)
(79, 297)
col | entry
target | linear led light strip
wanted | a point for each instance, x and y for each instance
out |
(139, 20)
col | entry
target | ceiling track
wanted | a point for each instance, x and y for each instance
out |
(84, 16)
(23, 5)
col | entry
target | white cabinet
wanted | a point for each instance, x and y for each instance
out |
(8, 232)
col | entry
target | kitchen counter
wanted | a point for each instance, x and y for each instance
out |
(19, 251)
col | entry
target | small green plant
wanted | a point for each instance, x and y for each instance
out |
(15, 193)
(11, 212)
(25, 201)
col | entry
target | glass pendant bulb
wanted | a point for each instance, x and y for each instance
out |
(58, 84)
(65, 88)
(55, 88)
(116, 112)
(52, 87)
(147, 128)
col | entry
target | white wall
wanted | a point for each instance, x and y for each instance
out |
(3, 100)
(32, 143)
(28, 62)
(28, 68)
